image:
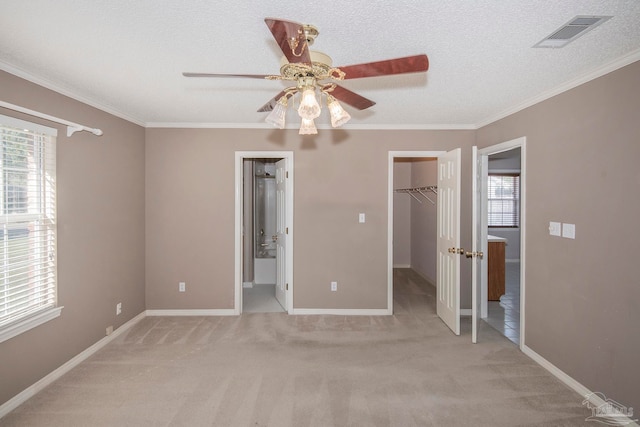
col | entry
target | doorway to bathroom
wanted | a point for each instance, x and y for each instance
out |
(264, 201)
(499, 220)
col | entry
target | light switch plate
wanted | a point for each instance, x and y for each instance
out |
(569, 231)
(555, 228)
(361, 218)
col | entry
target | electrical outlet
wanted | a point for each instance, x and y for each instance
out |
(109, 330)
(182, 287)
(361, 218)
(334, 286)
(118, 308)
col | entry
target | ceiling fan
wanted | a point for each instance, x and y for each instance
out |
(313, 73)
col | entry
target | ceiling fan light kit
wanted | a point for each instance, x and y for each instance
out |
(339, 115)
(313, 72)
(277, 115)
(309, 108)
(308, 127)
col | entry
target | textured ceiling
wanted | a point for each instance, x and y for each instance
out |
(127, 57)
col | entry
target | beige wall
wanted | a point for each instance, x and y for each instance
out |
(583, 295)
(338, 174)
(424, 172)
(402, 213)
(100, 184)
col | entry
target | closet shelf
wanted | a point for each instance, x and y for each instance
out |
(420, 190)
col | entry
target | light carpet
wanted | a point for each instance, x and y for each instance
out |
(272, 369)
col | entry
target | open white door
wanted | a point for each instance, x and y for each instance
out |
(478, 236)
(448, 245)
(281, 231)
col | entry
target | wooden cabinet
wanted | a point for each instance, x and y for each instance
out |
(495, 261)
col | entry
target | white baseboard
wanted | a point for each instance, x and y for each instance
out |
(202, 312)
(247, 284)
(401, 265)
(465, 312)
(342, 311)
(512, 260)
(31, 391)
(592, 397)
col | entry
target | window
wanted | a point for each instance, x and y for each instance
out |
(28, 221)
(504, 200)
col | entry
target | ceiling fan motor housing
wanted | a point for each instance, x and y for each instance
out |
(321, 66)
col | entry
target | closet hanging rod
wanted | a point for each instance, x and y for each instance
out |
(432, 188)
(421, 191)
(71, 126)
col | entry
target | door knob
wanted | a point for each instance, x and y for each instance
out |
(474, 254)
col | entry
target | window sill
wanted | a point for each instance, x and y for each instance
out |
(31, 322)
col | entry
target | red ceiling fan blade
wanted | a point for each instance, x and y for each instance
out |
(273, 101)
(291, 39)
(408, 64)
(351, 98)
(247, 76)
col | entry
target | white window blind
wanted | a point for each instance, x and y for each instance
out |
(28, 220)
(504, 200)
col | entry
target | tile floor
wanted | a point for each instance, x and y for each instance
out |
(504, 315)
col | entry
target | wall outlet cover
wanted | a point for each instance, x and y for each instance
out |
(569, 231)
(555, 228)
(334, 286)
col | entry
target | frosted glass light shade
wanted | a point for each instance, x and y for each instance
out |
(309, 107)
(308, 127)
(277, 115)
(338, 114)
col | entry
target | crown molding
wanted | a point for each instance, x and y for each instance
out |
(585, 78)
(18, 72)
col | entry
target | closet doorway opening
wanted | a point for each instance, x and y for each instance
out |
(264, 212)
(412, 252)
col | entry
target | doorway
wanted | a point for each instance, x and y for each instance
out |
(264, 232)
(499, 232)
(503, 241)
(412, 217)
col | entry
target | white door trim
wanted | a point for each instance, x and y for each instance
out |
(392, 156)
(495, 149)
(239, 195)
